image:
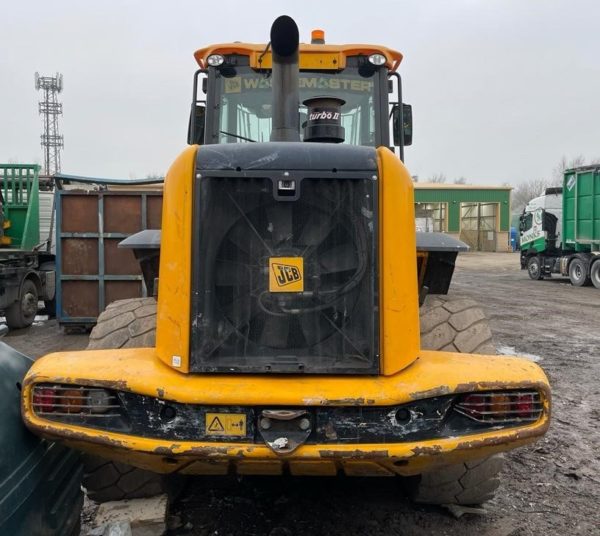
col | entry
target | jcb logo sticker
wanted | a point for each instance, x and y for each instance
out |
(286, 274)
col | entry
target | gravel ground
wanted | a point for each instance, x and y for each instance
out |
(550, 488)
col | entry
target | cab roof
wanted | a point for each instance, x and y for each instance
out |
(326, 57)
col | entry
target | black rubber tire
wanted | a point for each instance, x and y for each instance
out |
(578, 273)
(125, 324)
(595, 273)
(456, 325)
(105, 480)
(21, 314)
(534, 268)
(468, 483)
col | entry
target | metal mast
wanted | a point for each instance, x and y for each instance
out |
(50, 109)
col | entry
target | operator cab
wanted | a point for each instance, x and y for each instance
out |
(232, 100)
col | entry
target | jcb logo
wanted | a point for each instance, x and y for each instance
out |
(286, 274)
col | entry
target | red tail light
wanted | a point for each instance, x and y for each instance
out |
(525, 403)
(65, 400)
(502, 406)
(44, 399)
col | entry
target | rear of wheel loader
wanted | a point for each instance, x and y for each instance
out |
(287, 319)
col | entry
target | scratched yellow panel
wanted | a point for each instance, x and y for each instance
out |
(286, 274)
(225, 424)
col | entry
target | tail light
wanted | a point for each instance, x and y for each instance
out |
(69, 400)
(501, 407)
(43, 399)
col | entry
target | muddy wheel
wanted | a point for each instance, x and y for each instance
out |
(125, 324)
(468, 483)
(456, 325)
(22, 313)
(534, 268)
(578, 273)
(105, 480)
(595, 274)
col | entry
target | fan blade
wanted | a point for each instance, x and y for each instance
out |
(231, 274)
(239, 311)
(245, 239)
(311, 326)
(275, 331)
(317, 327)
(316, 229)
(279, 221)
(339, 259)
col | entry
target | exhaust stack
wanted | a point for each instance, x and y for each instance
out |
(286, 96)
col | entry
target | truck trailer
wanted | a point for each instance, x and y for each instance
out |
(560, 230)
(27, 264)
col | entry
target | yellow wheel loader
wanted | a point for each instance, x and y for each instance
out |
(294, 302)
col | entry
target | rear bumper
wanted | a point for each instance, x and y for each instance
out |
(354, 460)
(138, 371)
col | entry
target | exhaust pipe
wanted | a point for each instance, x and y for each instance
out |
(286, 96)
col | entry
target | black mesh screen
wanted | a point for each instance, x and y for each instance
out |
(285, 285)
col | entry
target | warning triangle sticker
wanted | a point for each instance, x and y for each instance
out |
(216, 425)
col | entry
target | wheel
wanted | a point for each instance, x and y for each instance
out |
(125, 324)
(578, 273)
(534, 268)
(468, 483)
(595, 274)
(22, 313)
(105, 481)
(456, 325)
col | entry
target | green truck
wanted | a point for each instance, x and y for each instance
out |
(560, 230)
(27, 267)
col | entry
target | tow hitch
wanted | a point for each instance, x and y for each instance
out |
(284, 430)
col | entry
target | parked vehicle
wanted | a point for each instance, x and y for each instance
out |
(560, 230)
(286, 332)
(27, 267)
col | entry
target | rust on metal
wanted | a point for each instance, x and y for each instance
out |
(154, 212)
(121, 290)
(478, 386)
(80, 212)
(167, 451)
(119, 261)
(122, 213)
(91, 225)
(427, 450)
(355, 454)
(347, 402)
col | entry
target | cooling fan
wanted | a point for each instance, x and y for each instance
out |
(331, 243)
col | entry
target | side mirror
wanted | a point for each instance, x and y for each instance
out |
(402, 124)
(196, 124)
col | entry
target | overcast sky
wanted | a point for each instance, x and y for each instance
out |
(501, 89)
